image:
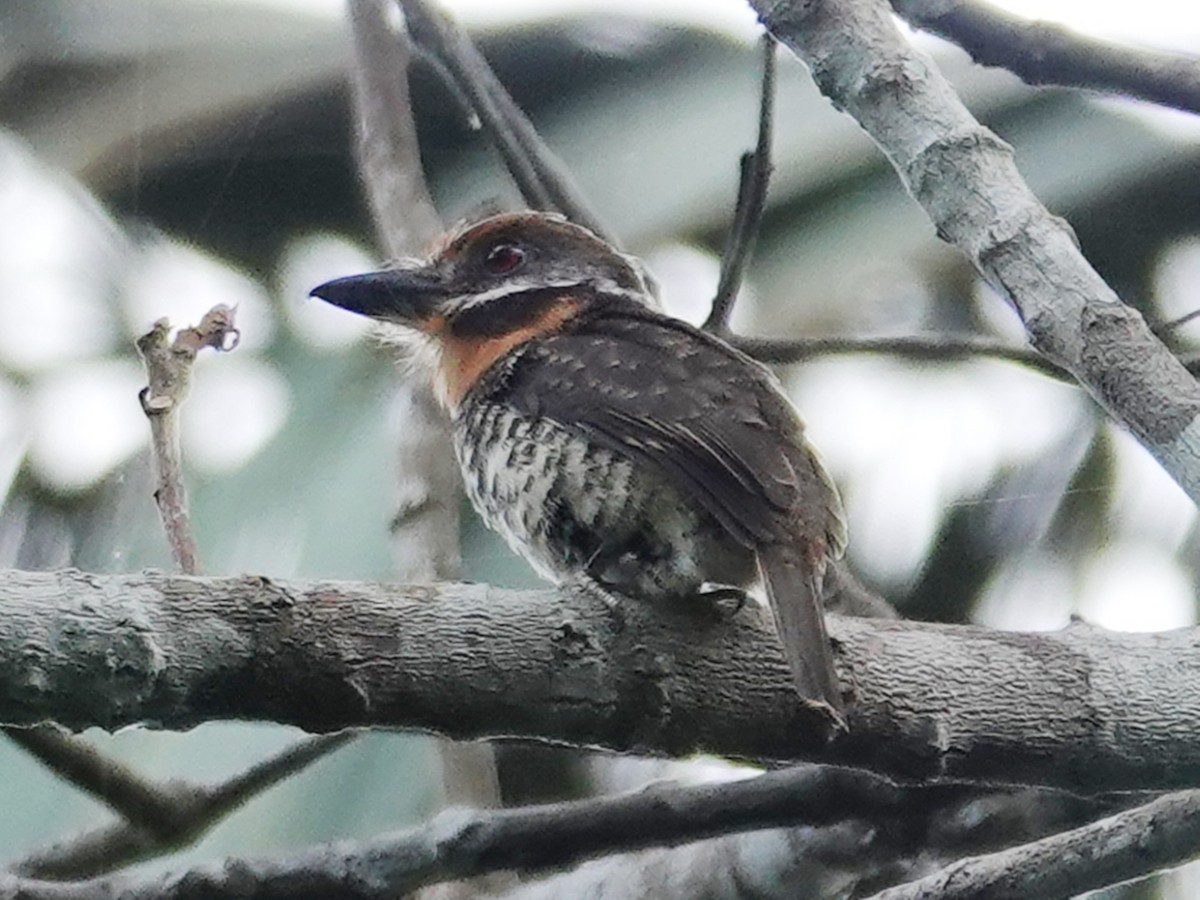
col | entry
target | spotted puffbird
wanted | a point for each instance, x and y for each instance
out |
(608, 441)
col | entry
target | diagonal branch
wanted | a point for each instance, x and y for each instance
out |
(1131, 844)
(167, 816)
(965, 178)
(1042, 53)
(389, 156)
(139, 801)
(540, 176)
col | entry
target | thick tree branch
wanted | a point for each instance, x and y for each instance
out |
(1043, 53)
(965, 178)
(1128, 845)
(1081, 709)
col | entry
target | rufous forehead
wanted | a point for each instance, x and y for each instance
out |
(489, 229)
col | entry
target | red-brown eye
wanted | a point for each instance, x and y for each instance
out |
(503, 258)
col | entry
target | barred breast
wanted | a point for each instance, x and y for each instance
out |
(571, 508)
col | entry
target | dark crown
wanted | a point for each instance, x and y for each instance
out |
(506, 262)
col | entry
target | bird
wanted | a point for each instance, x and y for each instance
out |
(607, 441)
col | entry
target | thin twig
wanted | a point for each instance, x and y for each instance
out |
(1043, 53)
(941, 348)
(1174, 324)
(755, 177)
(169, 368)
(161, 818)
(432, 30)
(142, 805)
(539, 175)
(556, 178)
(1163, 833)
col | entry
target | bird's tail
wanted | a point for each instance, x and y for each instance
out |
(794, 591)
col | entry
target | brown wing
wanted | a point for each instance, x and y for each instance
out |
(711, 420)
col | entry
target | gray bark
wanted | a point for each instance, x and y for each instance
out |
(1130, 844)
(1080, 709)
(966, 179)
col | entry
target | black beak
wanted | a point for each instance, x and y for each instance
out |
(393, 295)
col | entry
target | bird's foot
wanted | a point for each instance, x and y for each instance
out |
(724, 600)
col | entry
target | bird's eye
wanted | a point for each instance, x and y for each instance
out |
(503, 258)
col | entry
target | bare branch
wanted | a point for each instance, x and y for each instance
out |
(965, 178)
(1165, 328)
(932, 348)
(140, 802)
(751, 202)
(541, 177)
(1043, 53)
(1163, 833)
(169, 368)
(462, 844)
(427, 487)
(908, 834)
(436, 35)
(389, 156)
(930, 701)
(224, 798)
(810, 862)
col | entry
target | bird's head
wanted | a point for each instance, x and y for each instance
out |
(491, 286)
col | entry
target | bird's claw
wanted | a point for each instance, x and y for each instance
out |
(724, 600)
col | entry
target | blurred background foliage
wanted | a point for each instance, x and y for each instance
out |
(160, 156)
